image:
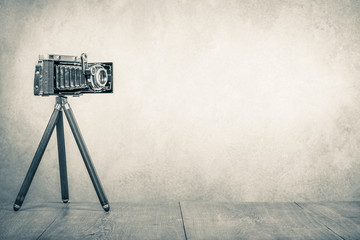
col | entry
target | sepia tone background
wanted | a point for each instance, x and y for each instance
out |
(213, 100)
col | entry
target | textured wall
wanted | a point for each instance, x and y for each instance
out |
(214, 100)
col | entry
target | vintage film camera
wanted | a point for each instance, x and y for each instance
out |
(70, 75)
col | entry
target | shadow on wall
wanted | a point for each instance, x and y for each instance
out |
(226, 101)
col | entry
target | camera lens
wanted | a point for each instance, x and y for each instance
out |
(98, 78)
(101, 77)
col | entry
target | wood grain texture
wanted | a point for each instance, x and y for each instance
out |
(251, 221)
(30, 222)
(202, 220)
(124, 221)
(343, 218)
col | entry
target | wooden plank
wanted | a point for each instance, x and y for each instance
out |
(341, 217)
(251, 221)
(124, 221)
(30, 221)
(349, 210)
(202, 220)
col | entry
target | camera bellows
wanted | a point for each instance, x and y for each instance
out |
(69, 78)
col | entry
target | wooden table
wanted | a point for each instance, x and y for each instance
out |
(182, 220)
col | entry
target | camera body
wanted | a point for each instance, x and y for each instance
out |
(70, 75)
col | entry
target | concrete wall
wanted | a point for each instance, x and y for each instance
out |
(213, 100)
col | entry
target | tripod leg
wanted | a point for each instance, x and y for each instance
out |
(37, 158)
(86, 157)
(62, 158)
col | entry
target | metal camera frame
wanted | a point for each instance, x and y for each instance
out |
(71, 75)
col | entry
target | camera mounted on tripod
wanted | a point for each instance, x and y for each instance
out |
(71, 75)
(63, 75)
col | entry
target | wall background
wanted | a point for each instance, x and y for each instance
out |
(214, 100)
